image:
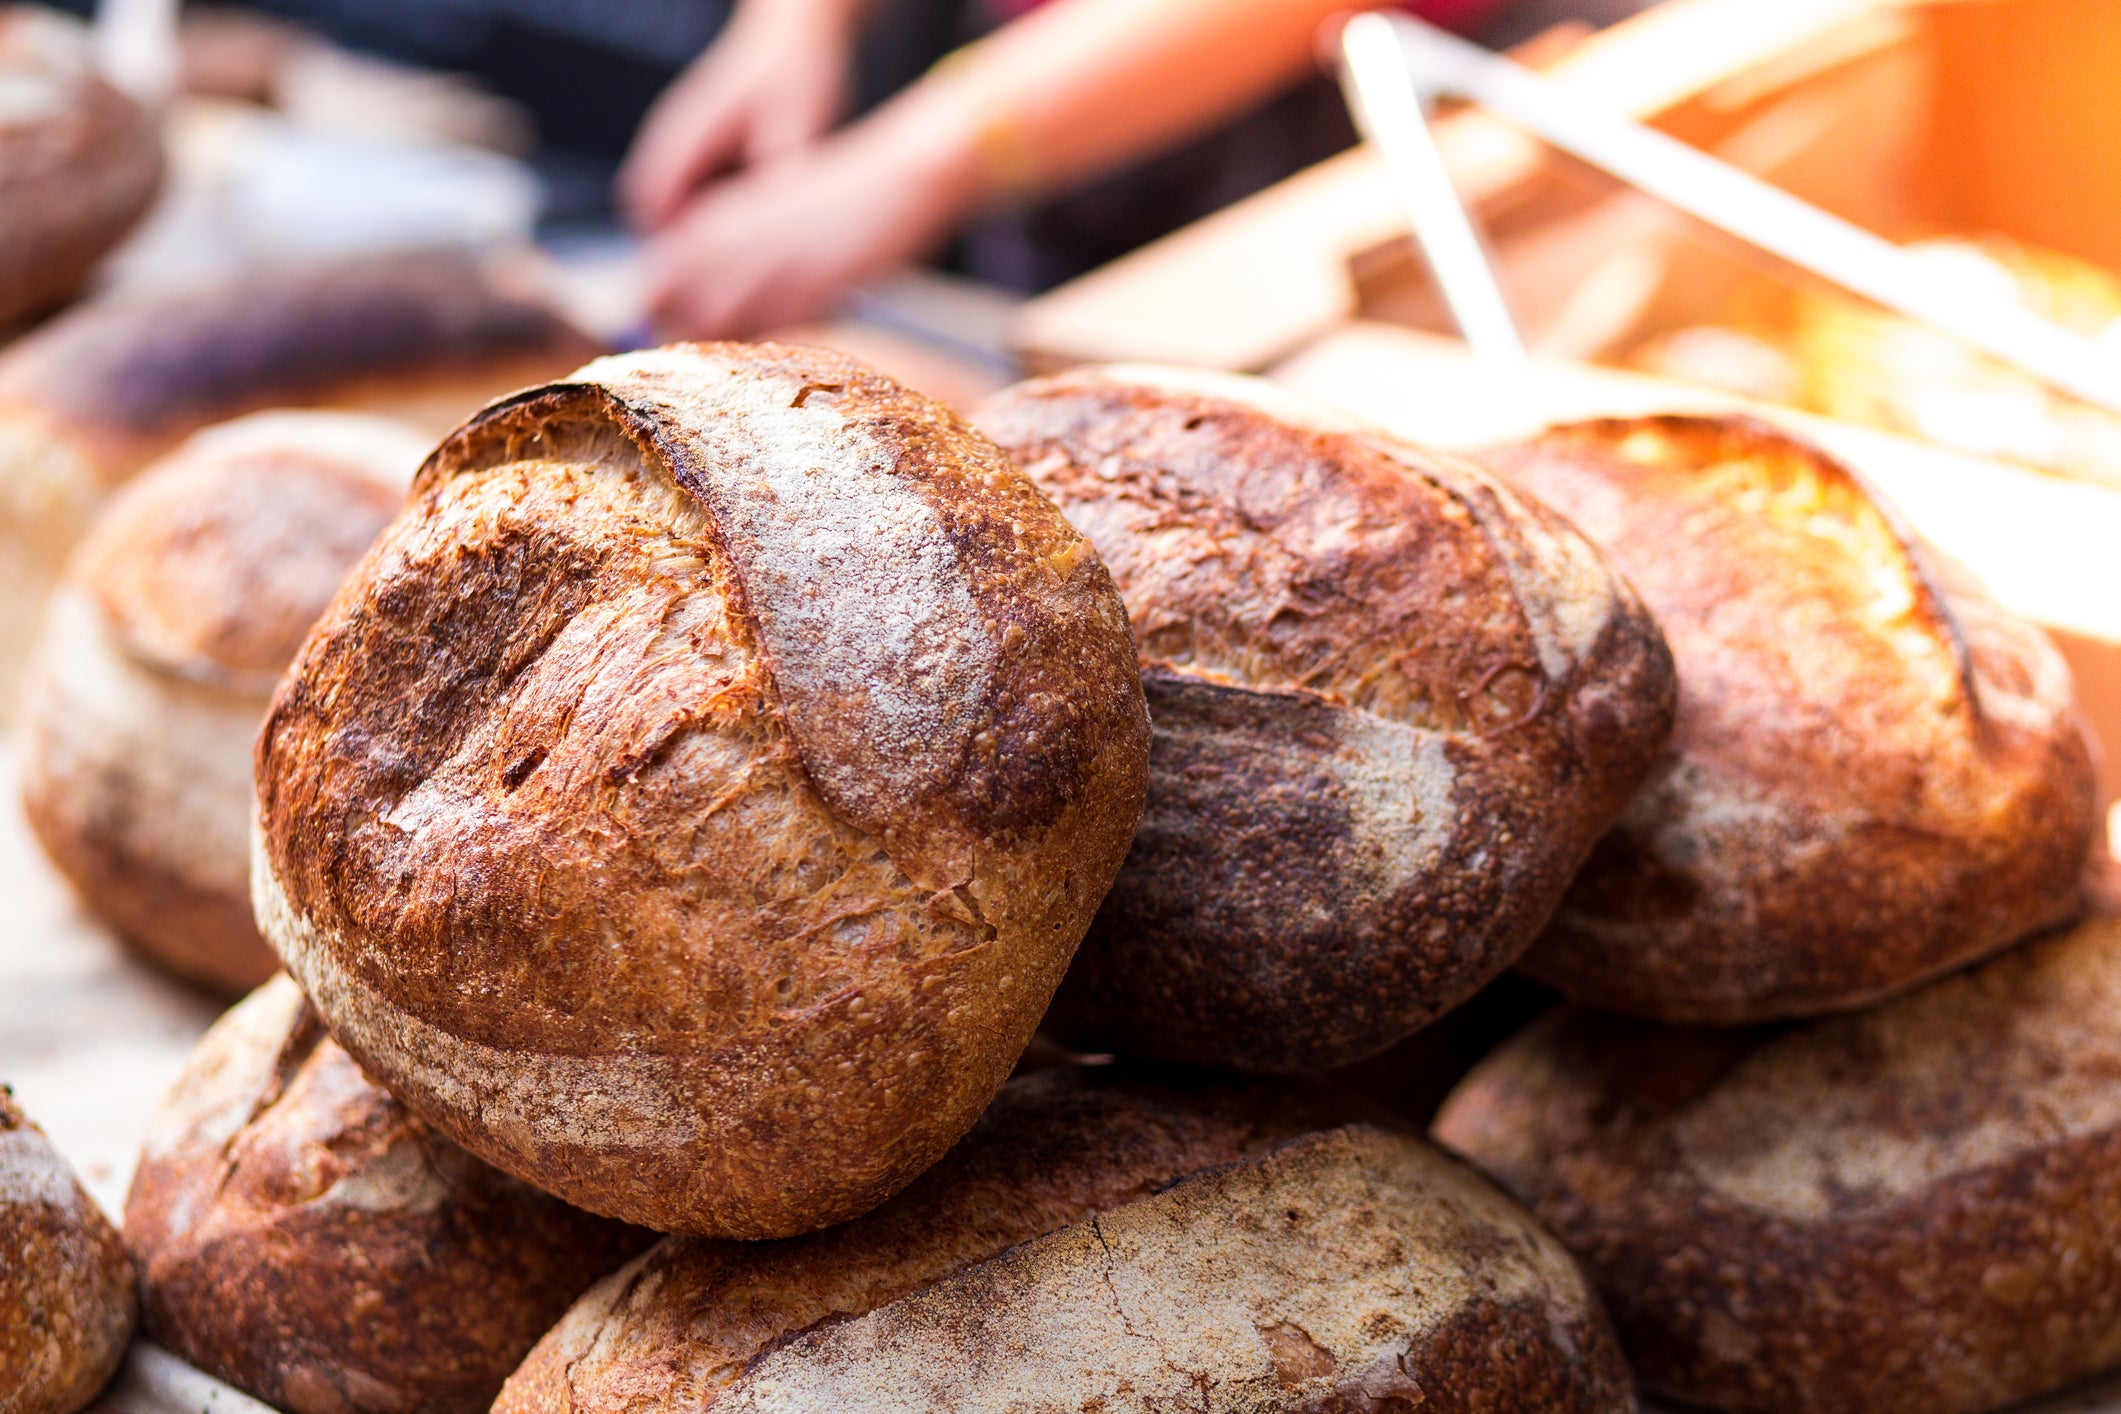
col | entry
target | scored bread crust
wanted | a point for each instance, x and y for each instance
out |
(79, 161)
(1877, 774)
(92, 397)
(305, 1238)
(157, 660)
(693, 801)
(1905, 1209)
(67, 1303)
(1394, 703)
(1103, 1242)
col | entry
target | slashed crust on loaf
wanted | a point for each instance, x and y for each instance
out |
(79, 161)
(1099, 1242)
(1876, 774)
(157, 659)
(66, 1289)
(1909, 1208)
(1394, 705)
(303, 1237)
(692, 803)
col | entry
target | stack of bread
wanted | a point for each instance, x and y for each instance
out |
(678, 822)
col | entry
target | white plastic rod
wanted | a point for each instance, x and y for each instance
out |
(1763, 216)
(1388, 107)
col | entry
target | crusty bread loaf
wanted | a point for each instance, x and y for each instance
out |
(66, 1288)
(79, 161)
(1394, 704)
(1909, 1209)
(158, 658)
(692, 802)
(1101, 1243)
(302, 1236)
(1877, 774)
(89, 399)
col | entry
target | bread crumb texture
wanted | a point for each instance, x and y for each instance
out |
(1099, 1243)
(1876, 775)
(1905, 1209)
(692, 802)
(1395, 703)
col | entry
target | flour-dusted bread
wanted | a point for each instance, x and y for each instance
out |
(1908, 1209)
(89, 399)
(158, 657)
(66, 1289)
(692, 802)
(79, 161)
(1877, 774)
(302, 1236)
(1102, 1243)
(1395, 703)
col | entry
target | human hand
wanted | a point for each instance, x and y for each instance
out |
(778, 242)
(772, 83)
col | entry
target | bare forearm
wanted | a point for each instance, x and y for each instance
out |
(1079, 87)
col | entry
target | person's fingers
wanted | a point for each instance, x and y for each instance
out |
(799, 113)
(694, 130)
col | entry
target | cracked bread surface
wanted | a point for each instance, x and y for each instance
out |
(1394, 704)
(304, 1237)
(692, 802)
(1104, 1241)
(1877, 774)
(1905, 1209)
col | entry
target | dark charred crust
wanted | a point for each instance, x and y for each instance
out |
(1368, 787)
(1831, 822)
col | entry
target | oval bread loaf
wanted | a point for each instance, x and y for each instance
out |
(158, 657)
(1098, 1242)
(79, 161)
(303, 1237)
(1394, 705)
(1908, 1209)
(66, 1289)
(89, 399)
(1877, 774)
(692, 802)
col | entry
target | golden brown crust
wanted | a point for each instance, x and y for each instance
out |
(1876, 774)
(1906, 1209)
(1060, 1258)
(752, 728)
(1394, 705)
(66, 1288)
(303, 1237)
(157, 660)
(79, 161)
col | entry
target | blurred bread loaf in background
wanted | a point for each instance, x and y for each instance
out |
(1878, 774)
(157, 659)
(91, 397)
(1394, 704)
(1107, 1242)
(67, 1304)
(302, 1236)
(79, 161)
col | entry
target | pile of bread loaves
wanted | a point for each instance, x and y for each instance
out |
(676, 823)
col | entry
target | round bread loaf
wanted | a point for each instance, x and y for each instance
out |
(692, 802)
(1394, 704)
(1097, 1243)
(89, 399)
(303, 1237)
(79, 161)
(66, 1289)
(1877, 774)
(158, 658)
(1911, 1208)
